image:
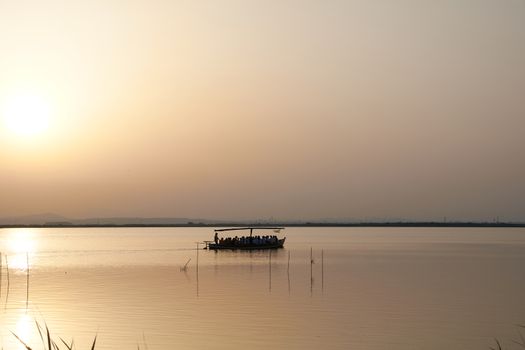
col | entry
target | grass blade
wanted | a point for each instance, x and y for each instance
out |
(40, 332)
(144, 340)
(48, 339)
(520, 344)
(94, 341)
(21, 341)
(498, 343)
(70, 347)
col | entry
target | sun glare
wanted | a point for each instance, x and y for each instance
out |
(25, 329)
(19, 244)
(26, 115)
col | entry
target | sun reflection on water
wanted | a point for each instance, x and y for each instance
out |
(20, 244)
(25, 330)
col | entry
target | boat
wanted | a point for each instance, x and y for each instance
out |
(251, 242)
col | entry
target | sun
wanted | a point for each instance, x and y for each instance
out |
(26, 114)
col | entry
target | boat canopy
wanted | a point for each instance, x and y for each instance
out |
(248, 228)
(275, 229)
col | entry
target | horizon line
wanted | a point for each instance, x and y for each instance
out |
(279, 223)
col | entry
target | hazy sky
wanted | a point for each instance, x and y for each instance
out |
(256, 109)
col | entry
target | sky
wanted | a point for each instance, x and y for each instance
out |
(356, 109)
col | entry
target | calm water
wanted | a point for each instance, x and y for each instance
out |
(378, 288)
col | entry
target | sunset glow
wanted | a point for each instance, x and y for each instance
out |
(291, 110)
(262, 174)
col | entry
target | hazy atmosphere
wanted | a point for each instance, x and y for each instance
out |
(256, 109)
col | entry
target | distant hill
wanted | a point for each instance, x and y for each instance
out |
(55, 219)
(139, 221)
(36, 219)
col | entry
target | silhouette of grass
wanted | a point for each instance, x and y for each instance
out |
(48, 342)
(520, 342)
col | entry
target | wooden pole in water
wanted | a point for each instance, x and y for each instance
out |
(197, 270)
(197, 255)
(288, 272)
(322, 269)
(7, 268)
(270, 270)
(8, 286)
(27, 282)
(311, 270)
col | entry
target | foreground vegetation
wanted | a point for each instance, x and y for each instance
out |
(51, 344)
(520, 342)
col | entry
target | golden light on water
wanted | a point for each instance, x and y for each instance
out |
(25, 328)
(19, 244)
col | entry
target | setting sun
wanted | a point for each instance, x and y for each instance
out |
(26, 114)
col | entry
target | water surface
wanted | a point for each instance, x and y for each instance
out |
(375, 288)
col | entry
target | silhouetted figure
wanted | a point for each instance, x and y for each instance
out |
(216, 238)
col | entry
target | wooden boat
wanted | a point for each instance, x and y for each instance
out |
(250, 242)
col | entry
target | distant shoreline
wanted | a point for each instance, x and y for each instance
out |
(283, 224)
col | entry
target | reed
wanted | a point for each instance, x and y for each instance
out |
(185, 266)
(520, 342)
(50, 343)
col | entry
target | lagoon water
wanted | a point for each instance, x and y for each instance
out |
(375, 288)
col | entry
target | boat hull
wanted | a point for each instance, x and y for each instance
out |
(214, 246)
